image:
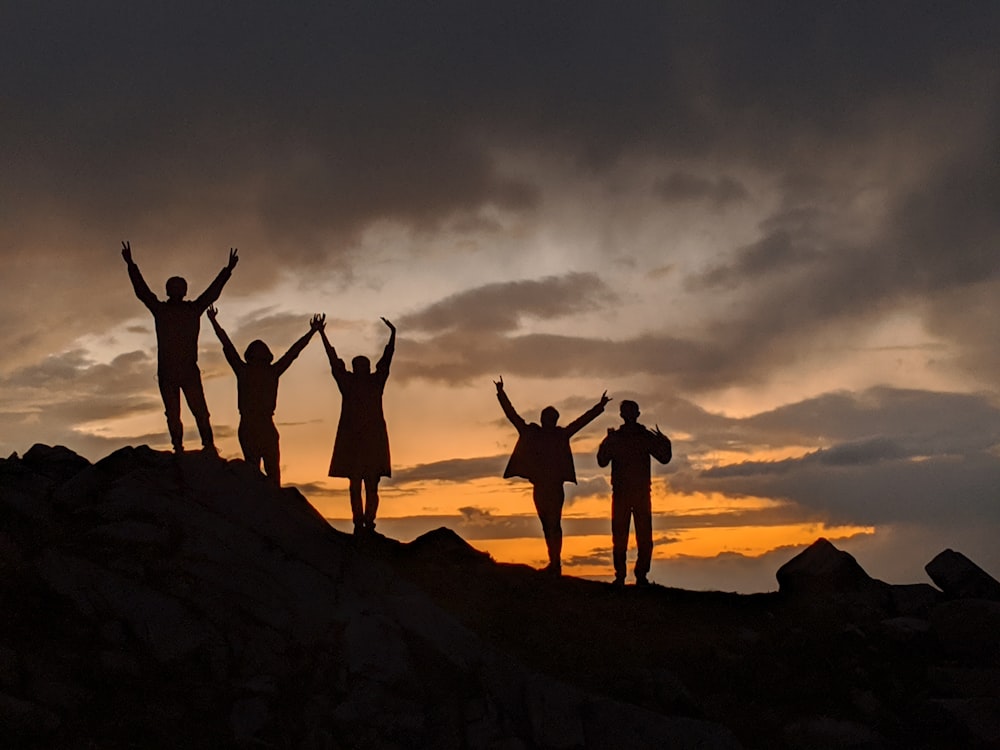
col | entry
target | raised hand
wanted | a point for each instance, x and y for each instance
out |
(126, 251)
(234, 258)
(391, 326)
(212, 311)
(499, 384)
(317, 322)
(605, 398)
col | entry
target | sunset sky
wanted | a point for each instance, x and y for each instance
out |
(774, 226)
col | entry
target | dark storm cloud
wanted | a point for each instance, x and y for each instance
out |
(302, 127)
(500, 307)
(324, 118)
(680, 187)
(892, 455)
(451, 470)
(774, 253)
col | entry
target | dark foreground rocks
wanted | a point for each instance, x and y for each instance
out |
(158, 601)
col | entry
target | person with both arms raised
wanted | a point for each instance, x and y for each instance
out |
(178, 323)
(361, 448)
(542, 456)
(257, 393)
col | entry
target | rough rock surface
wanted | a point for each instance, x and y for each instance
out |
(162, 601)
(157, 601)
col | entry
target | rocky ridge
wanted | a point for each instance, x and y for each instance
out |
(161, 601)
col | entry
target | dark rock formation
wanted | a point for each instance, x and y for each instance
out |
(960, 578)
(822, 568)
(158, 601)
(154, 600)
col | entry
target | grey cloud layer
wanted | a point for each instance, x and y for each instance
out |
(301, 127)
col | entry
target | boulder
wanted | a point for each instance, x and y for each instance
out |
(960, 578)
(822, 568)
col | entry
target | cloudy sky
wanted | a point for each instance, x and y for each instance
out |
(774, 226)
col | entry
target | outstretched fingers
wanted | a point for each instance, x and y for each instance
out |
(234, 258)
(391, 326)
(318, 322)
(212, 311)
(126, 251)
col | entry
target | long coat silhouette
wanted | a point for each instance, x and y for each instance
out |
(178, 323)
(361, 448)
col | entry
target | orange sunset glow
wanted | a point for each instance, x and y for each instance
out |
(784, 249)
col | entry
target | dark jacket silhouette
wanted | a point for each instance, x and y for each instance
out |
(361, 448)
(178, 323)
(628, 450)
(257, 394)
(542, 456)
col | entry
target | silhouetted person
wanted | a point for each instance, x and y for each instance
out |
(542, 456)
(257, 393)
(628, 449)
(178, 322)
(361, 450)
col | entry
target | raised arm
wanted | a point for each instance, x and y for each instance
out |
(142, 290)
(604, 449)
(659, 446)
(232, 356)
(336, 363)
(316, 323)
(211, 294)
(508, 408)
(386, 359)
(588, 416)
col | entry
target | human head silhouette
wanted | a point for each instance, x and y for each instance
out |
(258, 353)
(177, 287)
(629, 411)
(361, 364)
(549, 416)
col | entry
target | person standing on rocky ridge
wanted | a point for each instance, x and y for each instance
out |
(257, 393)
(628, 450)
(178, 323)
(542, 456)
(361, 448)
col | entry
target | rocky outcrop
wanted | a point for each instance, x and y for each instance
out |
(960, 578)
(158, 601)
(822, 568)
(181, 601)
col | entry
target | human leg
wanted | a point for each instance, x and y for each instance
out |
(271, 454)
(621, 513)
(195, 395)
(357, 510)
(549, 498)
(643, 513)
(371, 501)
(251, 454)
(170, 391)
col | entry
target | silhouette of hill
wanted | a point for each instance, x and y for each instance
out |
(153, 600)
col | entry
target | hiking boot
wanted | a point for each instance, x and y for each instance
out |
(641, 580)
(210, 450)
(619, 582)
(552, 569)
